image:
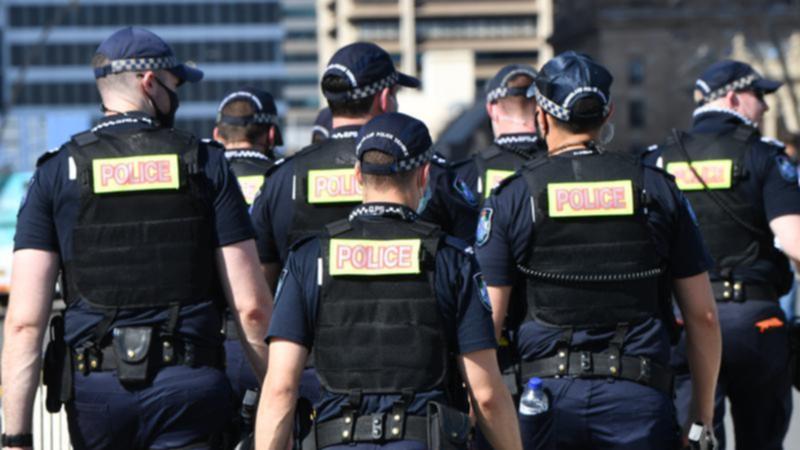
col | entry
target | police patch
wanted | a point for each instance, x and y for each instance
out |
(466, 193)
(483, 291)
(787, 168)
(484, 230)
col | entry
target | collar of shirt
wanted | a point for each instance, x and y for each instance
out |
(133, 119)
(345, 132)
(518, 142)
(380, 209)
(245, 153)
(716, 119)
(578, 152)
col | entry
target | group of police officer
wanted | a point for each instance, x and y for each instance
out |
(413, 296)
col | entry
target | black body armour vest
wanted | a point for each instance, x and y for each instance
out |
(720, 160)
(494, 165)
(143, 237)
(380, 332)
(592, 261)
(325, 188)
(249, 172)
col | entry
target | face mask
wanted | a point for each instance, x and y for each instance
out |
(538, 128)
(166, 119)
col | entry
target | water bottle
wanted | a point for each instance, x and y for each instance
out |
(533, 400)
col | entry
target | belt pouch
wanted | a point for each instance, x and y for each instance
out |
(132, 348)
(448, 428)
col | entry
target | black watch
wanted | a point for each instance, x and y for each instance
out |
(17, 440)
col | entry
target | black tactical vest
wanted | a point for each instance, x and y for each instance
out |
(323, 169)
(143, 237)
(249, 169)
(720, 161)
(498, 162)
(592, 261)
(379, 334)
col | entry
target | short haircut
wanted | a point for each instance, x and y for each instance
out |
(345, 107)
(232, 133)
(580, 123)
(400, 180)
(518, 105)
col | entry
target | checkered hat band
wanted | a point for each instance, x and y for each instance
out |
(552, 108)
(496, 94)
(735, 85)
(405, 165)
(372, 89)
(140, 64)
(241, 121)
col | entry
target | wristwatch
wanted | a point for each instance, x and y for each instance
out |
(17, 440)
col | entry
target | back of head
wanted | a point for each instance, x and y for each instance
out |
(508, 88)
(247, 115)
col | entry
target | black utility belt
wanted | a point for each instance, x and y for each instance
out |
(740, 291)
(444, 428)
(231, 332)
(601, 365)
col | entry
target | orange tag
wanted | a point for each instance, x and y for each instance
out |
(717, 174)
(369, 257)
(333, 186)
(250, 186)
(772, 322)
(135, 173)
(586, 199)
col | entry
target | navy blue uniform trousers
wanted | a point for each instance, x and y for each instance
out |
(181, 408)
(601, 414)
(755, 376)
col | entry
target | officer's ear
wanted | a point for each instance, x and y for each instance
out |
(732, 99)
(611, 108)
(217, 135)
(359, 175)
(388, 100)
(270, 144)
(424, 175)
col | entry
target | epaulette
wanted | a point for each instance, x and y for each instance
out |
(212, 143)
(652, 148)
(47, 155)
(459, 245)
(277, 164)
(299, 243)
(438, 159)
(772, 141)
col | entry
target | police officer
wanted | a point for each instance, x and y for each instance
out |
(598, 240)
(386, 302)
(247, 125)
(316, 186)
(457, 190)
(322, 126)
(151, 234)
(745, 197)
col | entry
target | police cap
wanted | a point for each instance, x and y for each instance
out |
(396, 134)
(368, 69)
(728, 75)
(135, 49)
(497, 87)
(568, 78)
(264, 110)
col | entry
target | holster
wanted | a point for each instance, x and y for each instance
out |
(57, 376)
(132, 349)
(303, 422)
(794, 340)
(448, 428)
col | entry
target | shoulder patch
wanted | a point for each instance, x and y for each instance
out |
(787, 168)
(772, 141)
(47, 155)
(483, 291)
(484, 230)
(465, 192)
(439, 159)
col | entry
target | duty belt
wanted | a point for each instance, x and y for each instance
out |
(164, 353)
(739, 291)
(374, 428)
(601, 365)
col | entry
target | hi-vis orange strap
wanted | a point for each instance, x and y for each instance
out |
(717, 173)
(135, 173)
(250, 185)
(371, 257)
(590, 198)
(772, 322)
(493, 178)
(333, 186)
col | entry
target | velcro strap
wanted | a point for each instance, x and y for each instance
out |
(380, 427)
(739, 291)
(600, 365)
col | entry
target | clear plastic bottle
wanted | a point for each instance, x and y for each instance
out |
(534, 399)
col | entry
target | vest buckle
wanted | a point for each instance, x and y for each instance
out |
(586, 363)
(377, 420)
(645, 371)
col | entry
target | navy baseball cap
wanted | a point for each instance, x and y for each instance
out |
(396, 134)
(264, 110)
(498, 88)
(368, 69)
(323, 125)
(570, 77)
(728, 75)
(135, 49)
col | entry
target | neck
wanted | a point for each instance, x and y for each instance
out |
(405, 197)
(505, 127)
(122, 106)
(558, 142)
(348, 121)
(241, 145)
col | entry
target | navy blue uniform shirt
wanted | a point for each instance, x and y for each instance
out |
(455, 191)
(676, 238)
(273, 210)
(464, 306)
(771, 187)
(50, 210)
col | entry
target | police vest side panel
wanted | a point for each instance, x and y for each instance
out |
(324, 187)
(593, 262)
(143, 237)
(378, 326)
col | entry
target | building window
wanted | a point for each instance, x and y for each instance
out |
(635, 71)
(636, 114)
